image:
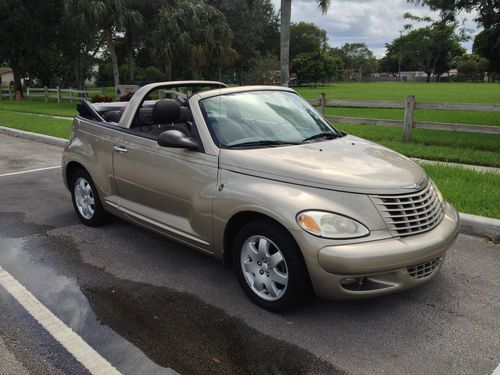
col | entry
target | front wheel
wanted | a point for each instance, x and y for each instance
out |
(269, 266)
(86, 201)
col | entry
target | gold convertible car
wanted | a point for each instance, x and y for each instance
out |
(258, 178)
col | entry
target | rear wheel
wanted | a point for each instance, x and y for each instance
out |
(86, 200)
(269, 266)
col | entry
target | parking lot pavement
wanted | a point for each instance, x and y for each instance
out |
(148, 305)
(20, 155)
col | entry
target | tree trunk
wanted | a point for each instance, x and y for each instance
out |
(429, 76)
(114, 59)
(18, 87)
(286, 13)
(130, 58)
(168, 68)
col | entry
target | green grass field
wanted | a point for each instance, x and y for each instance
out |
(394, 91)
(39, 106)
(397, 91)
(467, 148)
(469, 191)
(37, 124)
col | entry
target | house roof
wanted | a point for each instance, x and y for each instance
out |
(5, 70)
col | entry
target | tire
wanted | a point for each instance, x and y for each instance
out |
(86, 201)
(269, 266)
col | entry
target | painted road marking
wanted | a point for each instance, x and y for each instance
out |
(73, 343)
(496, 371)
(30, 171)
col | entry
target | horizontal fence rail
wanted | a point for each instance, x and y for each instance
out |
(408, 122)
(57, 93)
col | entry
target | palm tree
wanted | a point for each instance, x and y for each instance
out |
(134, 27)
(110, 15)
(286, 12)
(194, 33)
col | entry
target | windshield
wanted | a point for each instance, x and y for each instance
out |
(264, 119)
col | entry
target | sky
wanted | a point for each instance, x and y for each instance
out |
(374, 22)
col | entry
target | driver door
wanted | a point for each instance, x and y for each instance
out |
(166, 189)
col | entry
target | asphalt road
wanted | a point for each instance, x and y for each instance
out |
(149, 305)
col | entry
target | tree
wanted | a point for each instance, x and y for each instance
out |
(23, 46)
(133, 24)
(255, 28)
(357, 56)
(82, 43)
(286, 12)
(487, 44)
(488, 10)
(110, 16)
(306, 38)
(315, 67)
(192, 33)
(432, 49)
(473, 66)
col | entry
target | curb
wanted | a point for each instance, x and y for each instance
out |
(470, 224)
(479, 226)
(478, 168)
(54, 141)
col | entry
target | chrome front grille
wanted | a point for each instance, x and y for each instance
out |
(424, 270)
(412, 213)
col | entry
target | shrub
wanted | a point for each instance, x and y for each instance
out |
(101, 99)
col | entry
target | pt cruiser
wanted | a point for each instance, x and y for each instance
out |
(258, 178)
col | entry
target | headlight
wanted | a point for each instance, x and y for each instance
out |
(330, 225)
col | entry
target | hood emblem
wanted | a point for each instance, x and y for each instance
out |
(414, 186)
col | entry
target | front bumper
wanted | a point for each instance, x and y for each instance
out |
(384, 266)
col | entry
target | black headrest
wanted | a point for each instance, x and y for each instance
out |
(166, 111)
(184, 116)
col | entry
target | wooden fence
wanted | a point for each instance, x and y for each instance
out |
(58, 93)
(410, 105)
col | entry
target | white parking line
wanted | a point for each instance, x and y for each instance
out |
(73, 343)
(496, 371)
(29, 171)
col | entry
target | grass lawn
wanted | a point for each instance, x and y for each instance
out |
(397, 91)
(37, 124)
(468, 148)
(455, 117)
(39, 106)
(469, 191)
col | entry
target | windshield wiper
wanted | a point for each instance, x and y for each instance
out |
(321, 135)
(263, 142)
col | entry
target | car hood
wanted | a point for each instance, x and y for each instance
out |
(345, 164)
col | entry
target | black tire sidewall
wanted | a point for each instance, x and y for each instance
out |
(298, 288)
(99, 214)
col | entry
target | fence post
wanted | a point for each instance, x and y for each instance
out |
(408, 118)
(70, 95)
(28, 92)
(58, 94)
(322, 103)
(46, 94)
(10, 92)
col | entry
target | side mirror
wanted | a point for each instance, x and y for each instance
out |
(177, 139)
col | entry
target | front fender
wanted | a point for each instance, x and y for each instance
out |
(283, 201)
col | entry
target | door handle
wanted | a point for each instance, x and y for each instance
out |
(120, 149)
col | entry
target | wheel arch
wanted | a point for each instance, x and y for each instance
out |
(71, 168)
(235, 223)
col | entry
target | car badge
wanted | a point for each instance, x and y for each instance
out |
(414, 186)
